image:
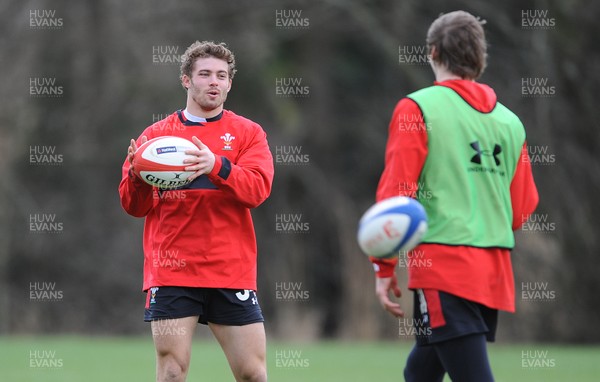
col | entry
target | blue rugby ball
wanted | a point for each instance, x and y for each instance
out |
(390, 226)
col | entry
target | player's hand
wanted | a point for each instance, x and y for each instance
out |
(133, 148)
(383, 286)
(202, 161)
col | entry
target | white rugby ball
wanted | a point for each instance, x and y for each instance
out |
(159, 161)
(390, 226)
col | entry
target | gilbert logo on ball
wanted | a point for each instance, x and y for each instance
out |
(392, 225)
(159, 162)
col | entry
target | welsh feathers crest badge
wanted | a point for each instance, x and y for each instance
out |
(153, 291)
(227, 140)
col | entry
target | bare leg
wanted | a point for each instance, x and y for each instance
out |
(246, 350)
(173, 343)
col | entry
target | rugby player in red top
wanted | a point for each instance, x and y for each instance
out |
(463, 155)
(199, 241)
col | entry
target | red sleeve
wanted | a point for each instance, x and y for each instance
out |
(250, 179)
(136, 195)
(523, 192)
(405, 156)
(405, 153)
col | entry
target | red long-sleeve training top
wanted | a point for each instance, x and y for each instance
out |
(202, 235)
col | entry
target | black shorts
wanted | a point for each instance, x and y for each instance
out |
(441, 316)
(234, 307)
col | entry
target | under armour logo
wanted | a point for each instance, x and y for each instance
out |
(477, 157)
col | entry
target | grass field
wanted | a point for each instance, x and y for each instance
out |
(91, 359)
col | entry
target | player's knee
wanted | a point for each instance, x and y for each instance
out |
(414, 372)
(170, 369)
(411, 375)
(253, 373)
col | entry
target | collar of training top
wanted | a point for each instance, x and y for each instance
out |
(187, 122)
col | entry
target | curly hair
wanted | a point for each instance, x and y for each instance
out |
(203, 49)
(460, 44)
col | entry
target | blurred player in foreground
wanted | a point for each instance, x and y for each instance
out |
(463, 155)
(199, 241)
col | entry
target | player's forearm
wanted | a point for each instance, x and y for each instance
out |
(384, 267)
(250, 179)
(248, 185)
